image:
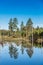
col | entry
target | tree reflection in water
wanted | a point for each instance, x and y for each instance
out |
(22, 46)
(29, 52)
(22, 49)
(13, 52)
(29, 49)
(2, 43)
(25, 46)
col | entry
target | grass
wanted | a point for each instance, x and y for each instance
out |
(10, 38)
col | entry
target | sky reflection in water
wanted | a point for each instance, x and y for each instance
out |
(12, 54)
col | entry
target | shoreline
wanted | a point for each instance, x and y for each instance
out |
(7, 38)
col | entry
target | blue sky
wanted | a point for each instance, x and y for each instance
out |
(22, 9)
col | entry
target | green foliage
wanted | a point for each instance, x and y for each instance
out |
(22, 25)
(24, 31)
(15, 22)
(11, 25)
(29, 22)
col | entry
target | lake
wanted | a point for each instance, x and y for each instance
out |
(12, 53)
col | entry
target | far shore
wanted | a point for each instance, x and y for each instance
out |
(7, 38)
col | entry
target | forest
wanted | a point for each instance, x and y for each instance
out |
(25, 32)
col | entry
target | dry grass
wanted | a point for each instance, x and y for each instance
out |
(7, 38)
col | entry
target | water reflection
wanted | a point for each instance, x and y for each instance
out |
(13, 51)
(2, 43)
(29, 52)
(22, 49)
(22, 52)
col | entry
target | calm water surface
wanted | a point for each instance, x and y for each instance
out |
(20, 54)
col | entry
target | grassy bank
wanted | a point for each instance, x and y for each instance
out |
(10, 38)
(7, 38)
